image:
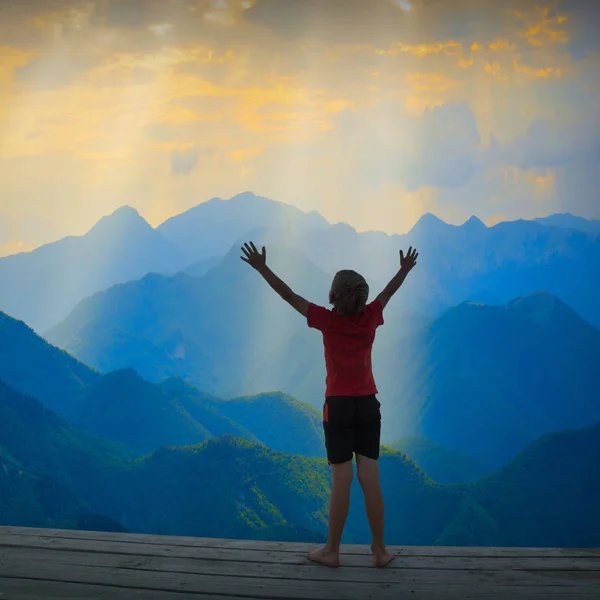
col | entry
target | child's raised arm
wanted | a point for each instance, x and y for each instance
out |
(258, 261)
(407, 263)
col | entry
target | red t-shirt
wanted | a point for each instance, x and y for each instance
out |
(348, 342)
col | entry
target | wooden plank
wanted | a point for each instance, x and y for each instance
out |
(96, 569)
(441, 571)
(27, 589)
(161, 540)
(178, 582)
(246, 587)
(296, 559)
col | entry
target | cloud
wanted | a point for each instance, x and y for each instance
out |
(451, 48)
(380, 23)
(502, 45)
(541, 27)
(440, 148)
(54, 70)
(547, 144)
(161, 29)
(447, 144)
(541, 73)
(245, 153)
(454, 107)
(583, 18)
(184, 161)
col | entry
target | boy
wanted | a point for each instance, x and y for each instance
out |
(351, 413)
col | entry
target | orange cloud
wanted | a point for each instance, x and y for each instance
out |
(451, 48)
(430, 82)
(427, 90)
(542, 183)
(539, 73)
(240, 155)
(502, 45)
(543, 180)
(542, 29)
(495, 70)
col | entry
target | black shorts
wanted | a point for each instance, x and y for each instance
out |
(352, 425)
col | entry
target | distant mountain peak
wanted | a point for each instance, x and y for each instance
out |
(124, 218)
(538, 298)
(251, 197)
(245, 195)
(125, 212)
(475, 222)
(430, 219)
(542, 307)
(428, 223)
(568, 220)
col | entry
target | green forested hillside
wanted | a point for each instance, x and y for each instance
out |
(549, 495)
(276, 419)
(28, 499)
(124, 407)
(42, 442)
(51, 473)
(226, 487)
(443, 465)
(33, 366)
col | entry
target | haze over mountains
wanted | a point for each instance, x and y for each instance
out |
(470, 262)
(489, 380)
(482, 381)
(177, 352)
(42, 286)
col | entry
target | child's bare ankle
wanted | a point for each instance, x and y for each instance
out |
(330, 548)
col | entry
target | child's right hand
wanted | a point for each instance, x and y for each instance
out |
(253, 257)
(408, 262)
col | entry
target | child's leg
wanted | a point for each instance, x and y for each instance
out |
(368, 477)
(341, 481)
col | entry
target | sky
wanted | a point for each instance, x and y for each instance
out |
(372, 112)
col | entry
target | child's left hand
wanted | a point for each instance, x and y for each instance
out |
(253, 258)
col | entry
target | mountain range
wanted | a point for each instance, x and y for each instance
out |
(155, 415)
(50, 469)
(144, 416)
(54, 473)
(469, 262)
(481, 380)
(41, 287)
(229, 487)
(569, 221)
(212, 331)
(489, 380)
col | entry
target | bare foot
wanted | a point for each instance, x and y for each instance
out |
(322, 556)
(382, 557)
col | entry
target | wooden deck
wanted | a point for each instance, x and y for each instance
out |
(44, 564)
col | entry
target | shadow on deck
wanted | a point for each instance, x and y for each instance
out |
(44, 564)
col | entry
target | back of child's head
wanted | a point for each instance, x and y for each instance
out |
(349, 293)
